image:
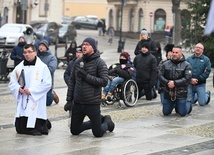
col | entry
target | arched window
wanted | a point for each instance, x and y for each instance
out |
(140, 20)
(185, 19)
(159, 20)
(131, 26)
(118, 19)
(110, 18)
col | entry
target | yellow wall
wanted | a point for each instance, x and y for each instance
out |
(82, 9)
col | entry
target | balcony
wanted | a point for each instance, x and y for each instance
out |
(118, 2)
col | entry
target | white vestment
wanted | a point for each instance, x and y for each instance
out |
(38, 81)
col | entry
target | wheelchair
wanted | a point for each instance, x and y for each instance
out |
(127, 92)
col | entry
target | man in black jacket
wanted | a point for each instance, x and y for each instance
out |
(175, 75)
(146, 67)
(89, 74)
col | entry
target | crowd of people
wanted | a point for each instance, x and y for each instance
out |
(180, 81)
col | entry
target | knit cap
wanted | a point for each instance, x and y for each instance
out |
(125, 54)
(92, 42)
(45, 43)
(146, 45)
(144, 32)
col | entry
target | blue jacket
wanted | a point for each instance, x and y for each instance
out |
(50, 60)
(17, 53)
(201, 67)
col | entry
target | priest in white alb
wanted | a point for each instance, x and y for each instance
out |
(29, 83)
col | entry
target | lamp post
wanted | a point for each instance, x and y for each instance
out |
(121, 42)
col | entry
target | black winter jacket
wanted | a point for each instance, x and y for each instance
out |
(180, 72)
(146, 66)
(152, 47)
(88, 91)
(126, 72)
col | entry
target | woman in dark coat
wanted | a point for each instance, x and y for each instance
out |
(17, 52)
(71, 51)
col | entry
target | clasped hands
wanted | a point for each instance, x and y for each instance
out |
(171, 84)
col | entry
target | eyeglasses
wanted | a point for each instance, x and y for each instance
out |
(199, 47)
(86, 44)
(28, 52)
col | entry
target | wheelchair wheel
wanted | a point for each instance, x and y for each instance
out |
(130, 93)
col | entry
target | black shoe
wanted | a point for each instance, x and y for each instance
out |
(111, 125)
(195, 101)
(190, 109)
(34, 132)
(209, 93)
(49, 124)
(154, 93)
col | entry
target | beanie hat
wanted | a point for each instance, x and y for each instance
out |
(79, 48)
(92, 42)
(146, 45)
(22, 37)
(144, 32)
(168, 47)
(45, 43)
(125, 54)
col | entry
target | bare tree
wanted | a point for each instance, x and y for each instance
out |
(177, 21)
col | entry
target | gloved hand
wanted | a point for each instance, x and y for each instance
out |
(68, 106)
(82, 74)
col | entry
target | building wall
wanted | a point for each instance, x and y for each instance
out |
(147, 6)
(85, 7)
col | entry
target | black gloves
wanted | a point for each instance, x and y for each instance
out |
(82, 74)
(68, 106)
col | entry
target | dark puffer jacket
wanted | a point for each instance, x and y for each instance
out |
(152, 46)
(146, 66)
(88, 91)
(180, 72)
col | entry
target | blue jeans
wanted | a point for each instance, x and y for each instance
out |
(198, 93)
(112, 85)
(50, 98)
(181, 105)
(95, 123)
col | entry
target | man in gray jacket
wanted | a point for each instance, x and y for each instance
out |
(50, 60)
(89, 74)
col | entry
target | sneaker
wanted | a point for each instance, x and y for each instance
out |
(209, 93)
(107, 118)
(109, 96)
(56, 98)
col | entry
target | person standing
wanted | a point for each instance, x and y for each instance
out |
(50, 60)
(100, 27)
(175, 75)
(145, 38)
(67, 72)
(89, 75)
(110, 34)
(71, 51)
(17, 52)
(146, 69)
(201, 68)
(29, 83)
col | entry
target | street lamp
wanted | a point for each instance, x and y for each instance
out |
(121, 42)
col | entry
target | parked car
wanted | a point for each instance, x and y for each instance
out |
(67, 32)
(45, 28)
(9, 34)
(85, 22)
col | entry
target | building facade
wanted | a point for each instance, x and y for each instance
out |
(85, 7)
(153, 15)
(24, 11)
